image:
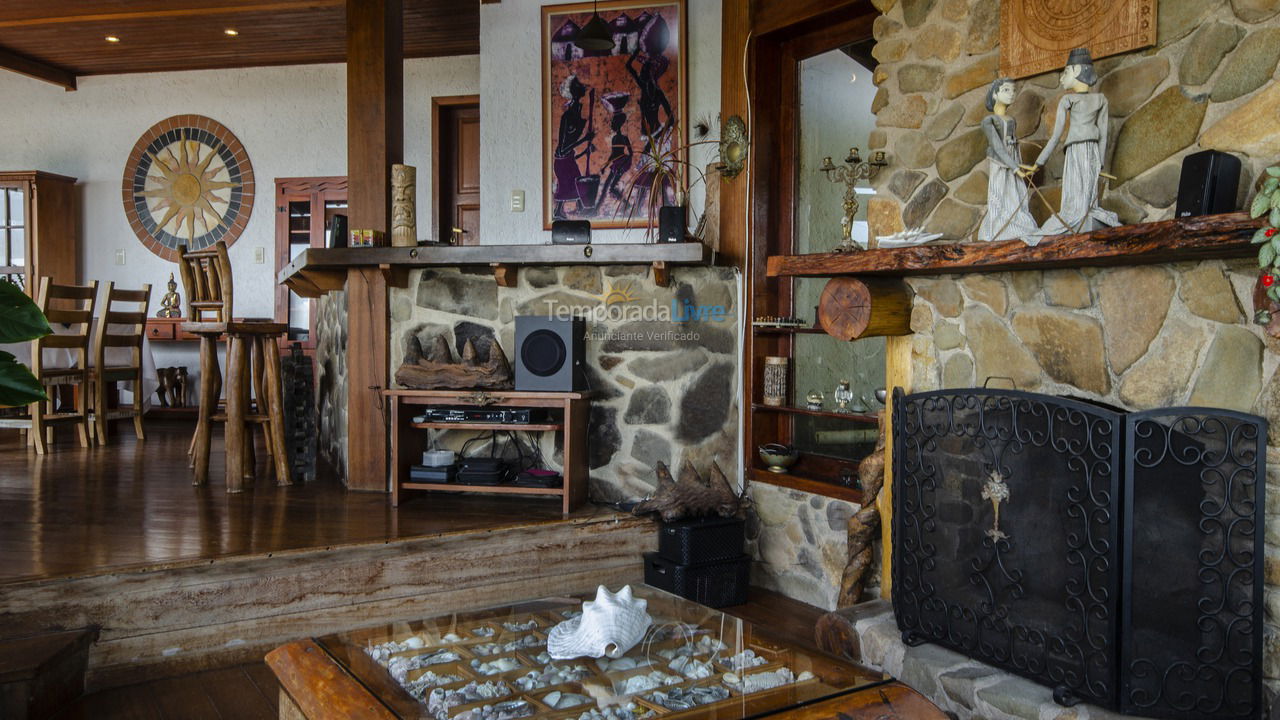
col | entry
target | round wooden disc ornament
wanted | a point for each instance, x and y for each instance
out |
(187, 181)
(851, 308)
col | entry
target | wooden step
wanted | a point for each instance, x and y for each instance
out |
(42, 674)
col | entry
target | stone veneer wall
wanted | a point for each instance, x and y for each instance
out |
(331, 381)
(666, 391)
(1140, 337)
(1206, 84)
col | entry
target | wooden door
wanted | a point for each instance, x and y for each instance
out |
(458, 168)
(304, 208)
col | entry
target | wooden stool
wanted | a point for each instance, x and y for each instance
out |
(252, 364)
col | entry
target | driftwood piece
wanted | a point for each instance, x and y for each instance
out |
(435, 369)
(863, 527)
(692, 496)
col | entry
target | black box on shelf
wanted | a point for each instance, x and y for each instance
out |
(703, 540)
(714, 584)
(423, 473)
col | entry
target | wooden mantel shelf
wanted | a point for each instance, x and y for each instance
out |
(1197, 238)
(316, 271)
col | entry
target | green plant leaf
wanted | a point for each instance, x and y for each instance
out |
(1273, 219)
(1266, 255)
(17, 385)
(1271, 185)
(1259, 236)
(1261, 203)
(20, 318)
(1274, 171)
(1275, 245)
(1273, 292)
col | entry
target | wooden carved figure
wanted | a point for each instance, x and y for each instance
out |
(1082, 117)
(1007, 196)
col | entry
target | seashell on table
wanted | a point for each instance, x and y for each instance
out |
(610, 625)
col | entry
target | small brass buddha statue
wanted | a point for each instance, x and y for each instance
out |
(171, 302)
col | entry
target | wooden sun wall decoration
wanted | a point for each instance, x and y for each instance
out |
(1036, 35)
(188, 181)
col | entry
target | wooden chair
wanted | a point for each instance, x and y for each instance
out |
(69, 309)
(119, 329)
(251, 358)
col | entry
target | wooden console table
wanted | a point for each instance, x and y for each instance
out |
(569, 415)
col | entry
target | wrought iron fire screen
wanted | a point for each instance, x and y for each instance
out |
(1114, 557)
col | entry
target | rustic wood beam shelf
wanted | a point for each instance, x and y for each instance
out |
(1196, 238)
(316, 271)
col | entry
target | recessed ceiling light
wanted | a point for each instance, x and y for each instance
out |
(112, 39)
(231, 31)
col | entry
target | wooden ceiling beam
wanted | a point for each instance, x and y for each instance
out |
(24, 65)
(166, 10)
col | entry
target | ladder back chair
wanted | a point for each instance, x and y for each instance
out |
(124, 330)
(252, 359)
(69, 309)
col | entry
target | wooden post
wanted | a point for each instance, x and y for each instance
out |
(735, 29)
(897, 374)
(375, 141)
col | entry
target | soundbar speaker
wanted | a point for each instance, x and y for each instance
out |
(550, 354)
(1208, 184)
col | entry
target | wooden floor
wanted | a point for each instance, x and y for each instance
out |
(250, 692)
(131, 504)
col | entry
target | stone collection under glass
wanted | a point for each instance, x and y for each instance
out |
(493, 664)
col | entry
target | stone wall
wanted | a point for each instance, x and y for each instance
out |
(331, 382)
(667, 390)
(799, 542)
(1206, 84)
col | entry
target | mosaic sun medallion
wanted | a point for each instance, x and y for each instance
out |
(188, 182)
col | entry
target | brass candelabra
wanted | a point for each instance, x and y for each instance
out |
(854, 170)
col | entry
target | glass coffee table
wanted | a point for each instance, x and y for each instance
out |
(694, 663)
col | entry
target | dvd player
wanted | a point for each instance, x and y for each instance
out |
(503, 416)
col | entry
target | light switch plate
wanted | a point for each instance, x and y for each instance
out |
(517, 201)
(120, 256)
(259, 255)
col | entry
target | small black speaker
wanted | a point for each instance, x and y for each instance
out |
(550, 354)
(1208, 184)
(672, 223)
(571, 232)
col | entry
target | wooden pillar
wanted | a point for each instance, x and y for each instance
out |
(375, 141)
(735, 29)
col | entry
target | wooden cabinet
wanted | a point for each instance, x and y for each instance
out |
(567, 413)
(304, 209)
(39, 214)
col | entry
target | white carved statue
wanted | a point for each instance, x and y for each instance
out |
(1085, 147)
(1007, 195)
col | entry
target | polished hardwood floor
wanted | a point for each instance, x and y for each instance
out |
(250, 692)
(130, 504)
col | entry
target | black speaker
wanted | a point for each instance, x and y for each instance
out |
(1208, 184)
(550, 353)
(672, 223)
(571, 232)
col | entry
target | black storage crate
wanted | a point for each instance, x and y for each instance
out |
(714, 584)
(690, 542)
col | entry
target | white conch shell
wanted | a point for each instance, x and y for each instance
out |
(610, 625)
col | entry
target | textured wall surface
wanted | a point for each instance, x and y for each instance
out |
(799, 541)
(1206, 84)
(666, 390)
(291, 120)
(511, 98)
(331, 382)
(1139, 337)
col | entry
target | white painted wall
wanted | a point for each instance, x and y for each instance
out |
(291, 120)
(511, 114)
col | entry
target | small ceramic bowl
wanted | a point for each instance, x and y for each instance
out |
(778, 457)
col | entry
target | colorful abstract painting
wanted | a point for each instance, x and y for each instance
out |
(610, 116)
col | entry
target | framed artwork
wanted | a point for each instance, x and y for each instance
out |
(610, 116)
(1036, 35)
(187, 181)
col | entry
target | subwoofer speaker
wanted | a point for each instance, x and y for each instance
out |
(1208, 184)
(550, 354)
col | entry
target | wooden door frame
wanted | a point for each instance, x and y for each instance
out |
(778, 37)
(438, 104)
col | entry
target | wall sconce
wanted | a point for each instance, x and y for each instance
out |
(855, 169)
(733, 147)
